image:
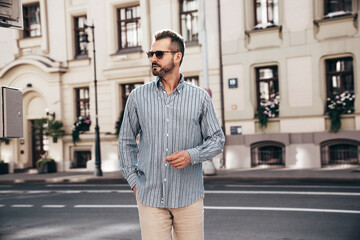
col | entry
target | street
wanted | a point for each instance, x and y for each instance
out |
(233, 210)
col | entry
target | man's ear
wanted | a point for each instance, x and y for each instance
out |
(178, 57)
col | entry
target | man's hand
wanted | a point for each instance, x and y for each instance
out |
(134, 189)
(179, 159)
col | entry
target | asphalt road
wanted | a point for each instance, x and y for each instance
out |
(233, 210)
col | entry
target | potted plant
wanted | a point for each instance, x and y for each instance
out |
(267, 110)
(4, 167)
(46, 164)
(54, 129)
(337, 105)
(80, 126)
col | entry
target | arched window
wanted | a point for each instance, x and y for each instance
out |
(340, 152)
(267, 154)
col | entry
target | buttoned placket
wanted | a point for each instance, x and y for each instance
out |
(167, 109)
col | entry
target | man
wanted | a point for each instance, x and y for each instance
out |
(178, 130)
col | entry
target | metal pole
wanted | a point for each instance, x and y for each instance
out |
(98, 171)
(221, 80)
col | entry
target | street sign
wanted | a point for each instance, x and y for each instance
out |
(233, 82)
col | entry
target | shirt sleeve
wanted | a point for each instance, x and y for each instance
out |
(212, 133)
(128, 148)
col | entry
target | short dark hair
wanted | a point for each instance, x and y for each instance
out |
(177, 41)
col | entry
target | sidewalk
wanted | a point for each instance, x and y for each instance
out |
(268, 174)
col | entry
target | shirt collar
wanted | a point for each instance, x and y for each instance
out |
(160, 86)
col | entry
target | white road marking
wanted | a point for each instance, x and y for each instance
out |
(283, 209)
(68, 191)
(22, 205)
(53, 206)
(284, 193)
(38, 191)
(205, 207)
(87, 185)
(108, 191)
(239, 208)
(208, 192)
(11, 191)
(290, 186)
(105, 206)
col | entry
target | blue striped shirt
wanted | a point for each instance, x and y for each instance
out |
(182, 120)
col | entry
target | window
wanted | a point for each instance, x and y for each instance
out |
(129, 29)
(126, 90)
(189, 20)
(267, 85)
(82, 102)
(267, 153)
(81, 159)
(333, 8)
(32, 27)
(339, 76)
(80, 48)
(266, 13)
(193, 80)
(339, 152)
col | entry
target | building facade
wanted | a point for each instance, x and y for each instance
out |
(280, 62)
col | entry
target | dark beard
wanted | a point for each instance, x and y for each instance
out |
(163, 70)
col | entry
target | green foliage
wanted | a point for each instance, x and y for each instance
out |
(266, 111)
(339, 104)
(49, 127)
(80, 126)
(54, 128)
(43, 160)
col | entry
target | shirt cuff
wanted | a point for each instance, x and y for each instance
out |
(194, 155)
(132, 179)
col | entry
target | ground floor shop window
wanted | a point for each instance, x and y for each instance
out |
(340, 152)
(267, 154)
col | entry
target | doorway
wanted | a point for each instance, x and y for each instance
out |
(37, 136)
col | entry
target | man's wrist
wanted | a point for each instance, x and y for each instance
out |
(194, 155)
(132, 180)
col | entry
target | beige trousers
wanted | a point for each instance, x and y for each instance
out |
(185, 223)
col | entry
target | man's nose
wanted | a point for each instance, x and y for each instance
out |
(153, 58)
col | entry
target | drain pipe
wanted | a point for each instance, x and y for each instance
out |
(208, 166)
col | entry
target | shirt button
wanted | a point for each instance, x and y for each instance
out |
(167, 134)
(166, 149)
(167, 119)
(164, 179)
(166, 165)
(167, 105)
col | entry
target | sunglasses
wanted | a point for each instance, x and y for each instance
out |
(158, 54)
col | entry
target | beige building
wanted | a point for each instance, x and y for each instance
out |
(290, 56)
